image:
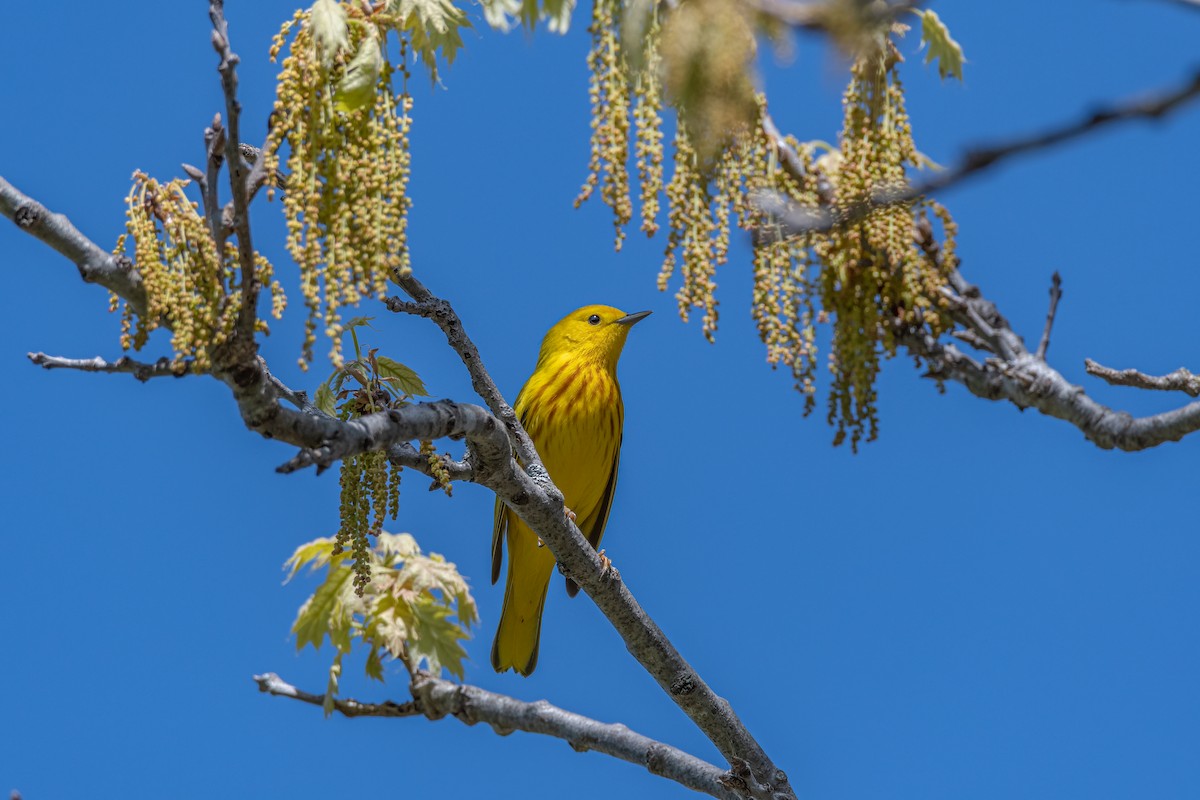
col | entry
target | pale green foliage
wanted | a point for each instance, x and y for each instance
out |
(433, 26)
(942, 48)
(356, 89)
(331, 34)
(417, 610)
(503, 15)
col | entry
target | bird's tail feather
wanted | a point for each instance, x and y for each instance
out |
(529, 571)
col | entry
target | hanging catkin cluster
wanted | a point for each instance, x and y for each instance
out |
(190, 287)
(874, 280)
(608, 90)
(867, 278)
(348, 160)
(370, 493)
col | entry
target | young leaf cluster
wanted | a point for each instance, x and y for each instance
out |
(370, 483)
(874, 279)
(191, 286)
(417, 610)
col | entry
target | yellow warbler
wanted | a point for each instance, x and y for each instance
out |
(571, 407)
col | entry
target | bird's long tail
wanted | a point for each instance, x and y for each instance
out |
(529, 571)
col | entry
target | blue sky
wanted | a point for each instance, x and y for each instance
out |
(981, 604)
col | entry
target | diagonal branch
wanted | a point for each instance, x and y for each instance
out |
(1026, 380)
(435, 699)
(803, 219)
(323, 440)
(442, 314)
(164, 367)
(96, 265)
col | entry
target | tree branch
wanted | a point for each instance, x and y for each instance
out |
(804, 219)
(1014, 374)
(535, 500)
(272, 684)
(95, 264)
(238, 171)
(435, 699)
(142, 371)
(442, 314)
(1055, 296)
(1180, 380)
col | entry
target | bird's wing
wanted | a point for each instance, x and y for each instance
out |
(595, 525)
(500, 515)
(499, 529)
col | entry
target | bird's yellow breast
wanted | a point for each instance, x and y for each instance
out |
(574, 417)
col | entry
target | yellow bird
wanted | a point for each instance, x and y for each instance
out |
(571, 407)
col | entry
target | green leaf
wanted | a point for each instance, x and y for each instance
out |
(503, 15)
(436, 638)
(434, 28)
(390, 624)
(328, 612)
(374, 666)
(359, 322)
(316, 553)
(396, 546)
(407, 380)
(324, 400)
(330, 32)
(936, 35)
(356, 89)
(424, 575)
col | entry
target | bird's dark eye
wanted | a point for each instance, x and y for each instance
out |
(594, 319)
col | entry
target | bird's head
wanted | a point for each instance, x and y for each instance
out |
(592, 334)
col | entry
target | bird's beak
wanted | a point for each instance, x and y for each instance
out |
(630, 319)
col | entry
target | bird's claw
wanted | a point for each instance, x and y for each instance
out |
(606, 566)
(570, 514)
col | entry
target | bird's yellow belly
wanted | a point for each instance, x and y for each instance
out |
(579, 455)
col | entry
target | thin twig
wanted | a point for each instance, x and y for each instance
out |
(804, 219)
(214, 146)
(1181, 380)
(444, 316)
(237, 169)
(272, 684)
(143, 371)
(436, 699)
(1055, 295)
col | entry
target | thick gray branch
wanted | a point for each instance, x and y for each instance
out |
(1181, 380)
(435, 699)
(95, 264)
